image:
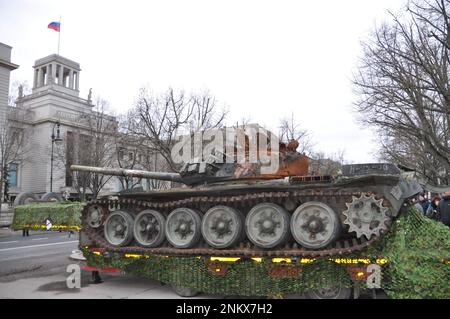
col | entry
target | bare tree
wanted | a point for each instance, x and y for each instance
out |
(205, 113)
(13, 148)
(128, 151)
(322, 164)
(92, 144)
(404, 89)
(290, 129)
(134, 152)
(156, 163)
(160, 120)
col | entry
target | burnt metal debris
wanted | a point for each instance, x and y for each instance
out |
(231, 209)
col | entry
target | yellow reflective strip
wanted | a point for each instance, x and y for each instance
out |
(381, 261)
(132, 256)
(53, 226)
(231, 259)
(280, 260)
(306, 260)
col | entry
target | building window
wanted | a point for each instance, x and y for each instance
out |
(12, 175)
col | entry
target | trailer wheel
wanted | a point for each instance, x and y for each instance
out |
(330, 293)
(184, 292)
(25, 198)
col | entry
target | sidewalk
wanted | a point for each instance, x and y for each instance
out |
(6, 232)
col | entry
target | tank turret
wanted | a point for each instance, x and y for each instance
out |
(217, 168)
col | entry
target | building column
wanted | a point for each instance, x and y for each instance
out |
(60, 74)
(35, 78)
(53, 72)
(47, 71)
(77, 82)
(39, 77)
(71, 79)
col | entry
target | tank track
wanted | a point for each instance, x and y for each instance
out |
(336, 198)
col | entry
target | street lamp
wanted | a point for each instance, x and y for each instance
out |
(56, 138)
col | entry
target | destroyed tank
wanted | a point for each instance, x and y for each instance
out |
(231, 209)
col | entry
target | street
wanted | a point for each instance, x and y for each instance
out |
(35, 267)
(40, 254)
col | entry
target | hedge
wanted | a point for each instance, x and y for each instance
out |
(64, 216)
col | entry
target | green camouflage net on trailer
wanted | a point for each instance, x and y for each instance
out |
(63, 215)
(413, 258)
(418, 251)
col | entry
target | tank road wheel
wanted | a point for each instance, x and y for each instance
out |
(95, 216)
(314, 225)
(330, 293)
(366, 216)
(222, 226)
(267, 225)
(183, 227)
(149, 228)
(119, 228)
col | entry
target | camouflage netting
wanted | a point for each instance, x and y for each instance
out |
(416, 249)
(64, 216)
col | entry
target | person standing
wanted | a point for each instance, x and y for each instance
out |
(444, 209)
(424, 202)
(417, 204)
(433, 210)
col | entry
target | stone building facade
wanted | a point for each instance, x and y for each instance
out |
(5, 69)
(6, 66)
(54, 107)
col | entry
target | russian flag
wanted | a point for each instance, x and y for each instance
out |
(55, 26)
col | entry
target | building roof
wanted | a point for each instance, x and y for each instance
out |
(57, 58)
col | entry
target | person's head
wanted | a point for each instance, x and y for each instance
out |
(436, 200)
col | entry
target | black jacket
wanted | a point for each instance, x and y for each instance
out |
(444, 210)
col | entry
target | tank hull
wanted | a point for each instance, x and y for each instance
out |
(305, 206)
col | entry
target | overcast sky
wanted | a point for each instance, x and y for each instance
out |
(262, 59)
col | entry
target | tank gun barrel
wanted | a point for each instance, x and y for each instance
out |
(164, 176)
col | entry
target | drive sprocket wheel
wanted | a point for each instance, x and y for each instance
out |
(366, 216)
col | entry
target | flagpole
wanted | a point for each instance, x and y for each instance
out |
(59, 33)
